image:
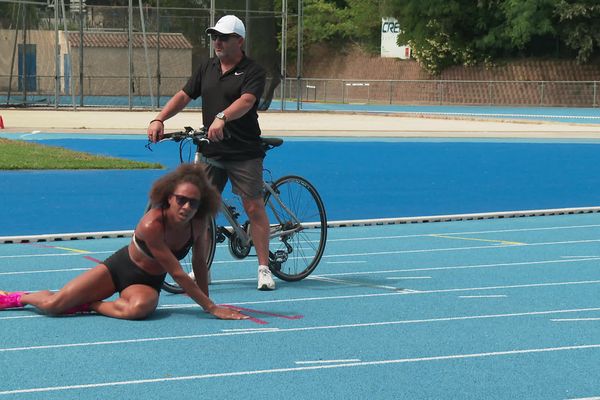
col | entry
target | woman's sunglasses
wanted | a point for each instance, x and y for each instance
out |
(183, 200)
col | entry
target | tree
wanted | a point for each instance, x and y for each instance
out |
(580, 26)
(449, 32)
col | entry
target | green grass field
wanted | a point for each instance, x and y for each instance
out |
(16, 155)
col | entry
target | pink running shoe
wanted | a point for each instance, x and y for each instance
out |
(10, 299)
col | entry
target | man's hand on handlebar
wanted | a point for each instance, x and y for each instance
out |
(156, 130)
(215, 130)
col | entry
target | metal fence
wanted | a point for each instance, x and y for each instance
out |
(67, 52)
(445, 92)
(341, 91)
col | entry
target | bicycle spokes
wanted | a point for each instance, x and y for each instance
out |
(299, 227)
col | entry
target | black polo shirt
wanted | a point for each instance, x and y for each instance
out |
(218, 91)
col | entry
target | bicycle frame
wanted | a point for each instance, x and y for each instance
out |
(228, 211)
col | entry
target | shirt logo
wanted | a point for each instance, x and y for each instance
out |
(238, 73)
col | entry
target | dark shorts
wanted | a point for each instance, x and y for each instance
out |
(246, 176)
(125, 272)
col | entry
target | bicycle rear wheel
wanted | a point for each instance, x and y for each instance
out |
(169, 284)
(298, 220)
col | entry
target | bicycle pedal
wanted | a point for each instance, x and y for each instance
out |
(220, 237)
(280, 256)
(274, 265)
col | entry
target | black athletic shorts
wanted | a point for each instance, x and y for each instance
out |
(125, 272)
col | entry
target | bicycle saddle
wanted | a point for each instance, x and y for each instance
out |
(269, 143)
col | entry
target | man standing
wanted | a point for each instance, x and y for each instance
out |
(230, 85)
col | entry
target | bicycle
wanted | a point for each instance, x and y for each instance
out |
(296, 213)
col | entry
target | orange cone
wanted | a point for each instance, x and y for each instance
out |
(1, 123)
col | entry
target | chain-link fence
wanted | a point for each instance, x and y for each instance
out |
(68, 53)
(446, 92)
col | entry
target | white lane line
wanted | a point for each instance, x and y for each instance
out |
(416, 292)
(574, 319)
(407, 277)
(345, 262)
(474, 266)
(304, 368)
(43, 271)
(327, 361)
(495, 247)
(57, 254)
(395, 292)
(392, 271)
(22, 317)
(577, 256)
(298, 329)
(491, 296)
(586, 398)
(386, 237)
(464, 233)
(350, 283)
(251, 330)
(493, 241)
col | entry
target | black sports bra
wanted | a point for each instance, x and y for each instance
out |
(179, 254)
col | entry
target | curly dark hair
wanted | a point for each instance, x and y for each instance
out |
(164, 187)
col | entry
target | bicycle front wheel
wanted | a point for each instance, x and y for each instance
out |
(298, 228)
(169, 284)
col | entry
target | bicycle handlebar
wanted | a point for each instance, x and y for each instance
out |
(198, 135)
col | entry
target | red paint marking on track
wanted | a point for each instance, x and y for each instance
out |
(92, 259)
(251, 318)
(264, 312)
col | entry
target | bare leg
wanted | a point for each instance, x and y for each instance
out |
(135, 302)
(201, 273)
(259, 227)
(90, 287)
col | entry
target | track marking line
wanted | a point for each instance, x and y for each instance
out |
(465, 233)
(491, 296)
(577, 257)
(329, 256)
(574, 319)
(474, 266)
(251, 330)
(55, 254)
(345, 262)
(392, 271)
(391, 252)
(304, 368)
(43, 271)
(396, 292)
(392, 278)
(505, 242)
(47, 246)
(297, 329)
(327, 361)
(363, 284)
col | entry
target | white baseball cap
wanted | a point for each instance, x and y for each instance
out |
(228, 24)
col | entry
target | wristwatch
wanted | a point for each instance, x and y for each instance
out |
(221, 116)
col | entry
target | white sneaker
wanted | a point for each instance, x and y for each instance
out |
(265, 279)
